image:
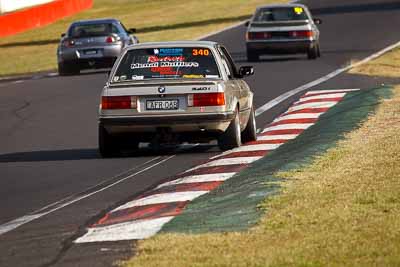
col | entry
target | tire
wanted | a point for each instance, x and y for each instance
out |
(319, 51)
(65, 69)
(252, 56)
(313, 52)
(231, 138)
(107, 145)
(250, 132)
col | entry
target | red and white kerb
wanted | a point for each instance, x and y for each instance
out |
(144, 216)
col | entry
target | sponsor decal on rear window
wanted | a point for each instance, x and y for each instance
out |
(201, 52)
(136, 77)
(165, 59)
(168, 51)
(165, 71)
(298, 10)
(193, 76)
(168, 63)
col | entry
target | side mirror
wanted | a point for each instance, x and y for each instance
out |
(246, 71)
(247, 23)
(63, 35)
(132, 30)
(317, 21)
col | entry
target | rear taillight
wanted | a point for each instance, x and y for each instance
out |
(118, 102)
(111, 39)
(258, 35)
(302, 34)
(69, 43)
(206, 99)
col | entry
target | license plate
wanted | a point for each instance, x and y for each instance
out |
(90, 52)
(162, 104)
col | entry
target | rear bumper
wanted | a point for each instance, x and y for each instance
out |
(106, 54)
(211, 122)
(105, 62)
(280, 46)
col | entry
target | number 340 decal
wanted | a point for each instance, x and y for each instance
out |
(201, 52)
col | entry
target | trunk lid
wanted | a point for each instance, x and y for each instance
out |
(171, 87)
(95, 41)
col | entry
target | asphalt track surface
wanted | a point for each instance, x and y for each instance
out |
(48, 136)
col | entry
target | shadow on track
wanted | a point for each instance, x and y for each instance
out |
(84, 72)
(50, 155)
(271, 60)
(92, 153)
(241, 57)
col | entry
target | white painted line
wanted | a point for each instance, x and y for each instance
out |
(331, 75)
(248, 148)
(298, 116)
(9, 226)
(213, 177)
(124, 231)
(162, 198)
(332, 91)
(226, 162)
(258, 147)
(324, 96)
(289, 126)
(312, 105)
(64, 200)
(277, 137)
(6, 227)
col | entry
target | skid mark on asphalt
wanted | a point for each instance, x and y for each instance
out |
(145, 215)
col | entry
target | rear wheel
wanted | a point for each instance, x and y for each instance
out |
(252, 56)
(67, 69)
(319, 51)
(250, 132)
(107, 144)
(312, 53)
(231, 138)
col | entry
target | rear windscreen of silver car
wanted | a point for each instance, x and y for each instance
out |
(92, 30)
(167, 63)
(280, 14)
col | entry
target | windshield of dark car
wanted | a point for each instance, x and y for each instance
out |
(92, 30)
(167, 63)
(280, 14)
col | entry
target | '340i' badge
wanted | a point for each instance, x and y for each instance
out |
(161, 89)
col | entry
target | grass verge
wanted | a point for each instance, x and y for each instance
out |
(342, 210)
(158, 20)
(385, 66)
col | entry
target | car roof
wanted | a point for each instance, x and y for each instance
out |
(96, 21)
(281, 5)
(209, 44)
